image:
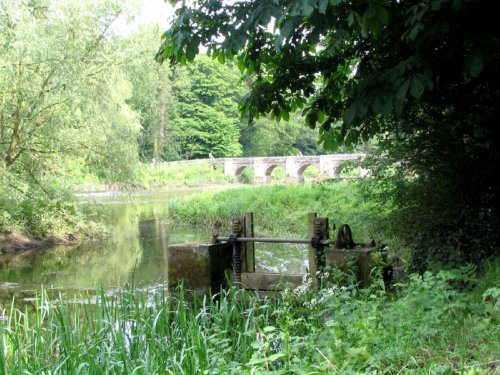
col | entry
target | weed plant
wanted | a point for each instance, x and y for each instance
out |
(436, 323)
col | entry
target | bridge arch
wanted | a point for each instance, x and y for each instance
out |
(301, 170)
(239, 173)
(269, 170)
(337, 169)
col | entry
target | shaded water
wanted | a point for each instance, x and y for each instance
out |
(135, 252)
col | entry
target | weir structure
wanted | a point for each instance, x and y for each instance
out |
(233, 256)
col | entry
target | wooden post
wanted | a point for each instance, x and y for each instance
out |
(249, 247)
(311, 250)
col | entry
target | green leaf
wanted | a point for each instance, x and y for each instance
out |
(417, 88)
(286, 29)
(191, 51)
(275, 357)
(475, 66)
(269, 329)
(312, 118)
(307, 8)
(403, 90)
(221, 57)
(323, 5)
(285, 115)
(374, 18)
(360, 354)
(266, 17)
(321, 116)
(350, 114)
(256, 345)
(277, 112)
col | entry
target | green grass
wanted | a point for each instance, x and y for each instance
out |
(440, 323)
(283, 208)
(40, 212)
(182, 175)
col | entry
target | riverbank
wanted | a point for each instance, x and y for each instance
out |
(443, 323)
(283, 209)
(28, 224)
(11, 241)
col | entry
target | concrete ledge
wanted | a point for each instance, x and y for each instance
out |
(343, 259)
(199, 264)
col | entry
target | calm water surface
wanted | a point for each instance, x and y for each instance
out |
(136, 251)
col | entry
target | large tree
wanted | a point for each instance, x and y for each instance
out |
(205, 112)
(62, 93)
(152, 96)
(418, 76)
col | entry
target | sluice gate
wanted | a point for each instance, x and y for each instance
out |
(233, 256)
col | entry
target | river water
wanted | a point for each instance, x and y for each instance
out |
(136, 251)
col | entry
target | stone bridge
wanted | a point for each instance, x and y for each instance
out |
(329, 166)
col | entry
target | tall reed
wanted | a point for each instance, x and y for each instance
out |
(436, 323)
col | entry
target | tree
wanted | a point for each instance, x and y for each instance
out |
(206, 119)
(419, 76)
(266, 137)
(151, 95)
(62, 92)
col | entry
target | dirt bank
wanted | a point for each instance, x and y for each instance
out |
(17, 241)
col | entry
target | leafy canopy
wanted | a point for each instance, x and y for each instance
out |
(418, 77)
(343, 62)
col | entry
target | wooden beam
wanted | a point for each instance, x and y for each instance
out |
(311, 250)
(269, 281)
(249, 247)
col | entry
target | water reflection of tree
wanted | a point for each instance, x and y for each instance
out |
(91, 264)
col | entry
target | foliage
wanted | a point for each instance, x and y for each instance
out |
(151, 96)
(40, 211)
(428, 326)
(247, 176)
(197, 173)
(59, 85)
(420, 77)
(206, 115)
(283, 208)
(265, 137)
(63, 116)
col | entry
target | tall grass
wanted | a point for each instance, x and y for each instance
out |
(283, 208)
(436, 323)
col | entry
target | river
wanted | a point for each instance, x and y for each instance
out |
(136, 251)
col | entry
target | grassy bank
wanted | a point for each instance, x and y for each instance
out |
(34, 216)
(159, 176)
(441, 323)
(283, 208)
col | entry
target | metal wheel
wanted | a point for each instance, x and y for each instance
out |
(344, 238)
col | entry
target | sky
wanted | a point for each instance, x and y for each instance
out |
(155, 11)
(145, 11)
